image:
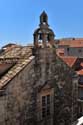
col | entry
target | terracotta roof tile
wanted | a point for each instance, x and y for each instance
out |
(81, 64)
(60, 51)
(69, 60)
(72, 42)
(16, 69)
(18, 55)
(16, 52)
(79, 85)
(80, 72)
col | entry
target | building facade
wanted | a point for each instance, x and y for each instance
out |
(71, 52)
(36, 86)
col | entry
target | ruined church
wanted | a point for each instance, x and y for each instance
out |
(36, 86)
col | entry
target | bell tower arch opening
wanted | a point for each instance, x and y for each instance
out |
(43, 18)
(43, 35)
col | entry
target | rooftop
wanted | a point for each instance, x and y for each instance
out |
(74, 42)
(12, 60)
(69, 60)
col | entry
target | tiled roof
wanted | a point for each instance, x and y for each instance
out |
(16, 69)
(9, 45)
(81, 64)
(69, 60)
(15, 52)
(60, 51)
(20, 56)
(71, 42)
(80, 72)
(79, 85)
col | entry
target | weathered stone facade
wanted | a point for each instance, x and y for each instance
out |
(18, 93)
(39, 89)
(63, 89)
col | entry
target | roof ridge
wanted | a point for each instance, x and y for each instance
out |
(15, 69)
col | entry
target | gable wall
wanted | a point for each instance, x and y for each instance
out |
(19, 95)
(49, 67)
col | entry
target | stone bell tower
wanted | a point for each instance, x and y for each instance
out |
(43, 35)
(44, 50)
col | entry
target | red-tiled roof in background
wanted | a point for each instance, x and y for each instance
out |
(79, 85)
(81, 64)
(80, 72)
(71, 42)
(60, 51)
(69, 60)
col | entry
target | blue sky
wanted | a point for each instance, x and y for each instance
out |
(19, 18)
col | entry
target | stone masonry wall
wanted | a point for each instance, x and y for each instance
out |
(19, 102)
(48, 67)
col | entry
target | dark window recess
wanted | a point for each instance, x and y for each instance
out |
(48, 99)
(43, 101)
(67, 49)
(80, 93)
(2, 93)
(80, 79)
(44, 19)
(43, 112)
(48, 37)
(40, 36)
(45, 106)
(79, 50)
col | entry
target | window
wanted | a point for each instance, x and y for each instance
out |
(48, 105)
(68, 49)
(45, 106)
(81, 79)
(80, 93)
(79, 50)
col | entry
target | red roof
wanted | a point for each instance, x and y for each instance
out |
(69, 60)
(80, 72)
(81, 64)
(60, 51)
(79, 85)
(72, 42)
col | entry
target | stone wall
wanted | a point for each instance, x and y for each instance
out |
(50, 67)
(44, 64)
(18, 103)
(19, 99)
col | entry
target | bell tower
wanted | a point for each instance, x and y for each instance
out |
(44, 51)
(43, 36)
